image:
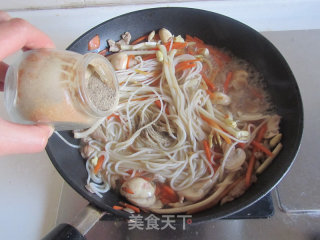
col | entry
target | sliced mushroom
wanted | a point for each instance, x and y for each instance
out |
(165, 35)
(197, 191)
(119, 61)
(139, 192)
(112, 46)
(235, 159)
(272, 126)
(126, 37)
(212, 200)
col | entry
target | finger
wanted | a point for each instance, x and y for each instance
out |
(4, 16)
(17, 33)
(3, 71)
(15, 138)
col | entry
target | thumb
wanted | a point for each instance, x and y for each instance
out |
(16, 138)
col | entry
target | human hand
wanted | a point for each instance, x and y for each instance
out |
(16, 34)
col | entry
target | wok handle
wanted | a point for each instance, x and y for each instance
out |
(80, 225)
(64, 231)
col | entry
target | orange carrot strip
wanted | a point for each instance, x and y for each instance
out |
(185, 66)
(147, 57)
(140, 99)
(168, 190)
(210, 85)
(103, 52)
(197, 40)
(189, 38)
(127, 190)
(262, 148)
(94, 43)
(129, 59)
(175, 45)
(115, 207)
(167, 194)
(251, 164)
(140, 39)
(134, 208)
(115, 116)
(252, 159)
(227, 82)
(147, 178)
(241, 145)
(261, 132)
(158, 103)
(215, 125)
(207, 150)
(99, 164)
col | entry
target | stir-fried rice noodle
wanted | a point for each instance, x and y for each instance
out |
(167, 115)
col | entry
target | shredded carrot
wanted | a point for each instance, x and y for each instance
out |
(129, 59)
(227, 82)
(216, 167)
(147, 57)
(115, 207)
(211, 94)
(115, 116)
(241, 145)
(262, 148)
(140, 39)
(197, 40)
(140, 99)
(210, 85)
(147, 178)
(251, 164)
(252, 159)
(167, 194)
(103, 52)
(94, 43)
(158, 103)
(137, 173)
(215, 125)
(207, 150)
(99, 164)
(134, 208)
(261, 132)
(186, 64)
(189, 38)
(168, 190)
(127, 190)
(175, 45)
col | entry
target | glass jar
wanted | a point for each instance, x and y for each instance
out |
(62, 88)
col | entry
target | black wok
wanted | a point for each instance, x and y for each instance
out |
(220, 31)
